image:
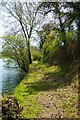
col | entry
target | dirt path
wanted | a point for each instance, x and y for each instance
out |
(47, 92)
(57, 103)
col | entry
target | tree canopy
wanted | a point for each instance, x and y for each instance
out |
(56, 24)
(14, 48)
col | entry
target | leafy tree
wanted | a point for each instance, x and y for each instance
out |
(46, 29)
(74, 16)
(59, 17)
(53, 48)
(50, 46)
(14, 47)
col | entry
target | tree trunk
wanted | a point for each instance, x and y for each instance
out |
(78, 38)
(29, 56)
(28, 44)
(78, 32)
(29, 53)
(62, 29)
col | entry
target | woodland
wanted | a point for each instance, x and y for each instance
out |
(44, 40)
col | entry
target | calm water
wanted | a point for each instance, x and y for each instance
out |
(10, 77)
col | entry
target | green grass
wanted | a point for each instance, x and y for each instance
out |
(45, 87)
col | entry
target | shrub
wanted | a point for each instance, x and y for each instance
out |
(50, 46)
(10, 108)
(54, 49)
(36, 54)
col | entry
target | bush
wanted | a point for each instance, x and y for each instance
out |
(55, 51)
(36, 54)
(50, 46)
(10, 108)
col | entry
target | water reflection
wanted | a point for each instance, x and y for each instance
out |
(10, 78)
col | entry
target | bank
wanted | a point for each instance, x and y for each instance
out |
(48, 92)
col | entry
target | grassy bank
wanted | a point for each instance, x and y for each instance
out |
(48, 91)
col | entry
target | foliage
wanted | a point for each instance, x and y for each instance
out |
(10, 108)
(54, 49)
(27, 19)
(0, 54)
(36, 53)
(14, 47)
(50, 45)
(29, 16)
(59, 43)
(46, 29)
(65, 44)
(74, 14)
(66, 53)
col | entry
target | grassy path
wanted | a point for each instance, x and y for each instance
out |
(47, 92)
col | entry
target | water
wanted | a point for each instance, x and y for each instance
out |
(10, 77)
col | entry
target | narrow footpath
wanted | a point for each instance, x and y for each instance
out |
(47, 92)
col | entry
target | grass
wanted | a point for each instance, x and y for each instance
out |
(48, 91)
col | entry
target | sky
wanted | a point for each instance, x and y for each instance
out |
(2, 29)
(1, 22)
(1, 33)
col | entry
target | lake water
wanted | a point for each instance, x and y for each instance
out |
(10, 77)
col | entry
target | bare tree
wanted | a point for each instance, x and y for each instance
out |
(24, 17)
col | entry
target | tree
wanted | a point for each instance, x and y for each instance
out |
(14, 48)
(46, 29)
(50, 46)
(27, 17)
(74, 16)
(58, 16)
